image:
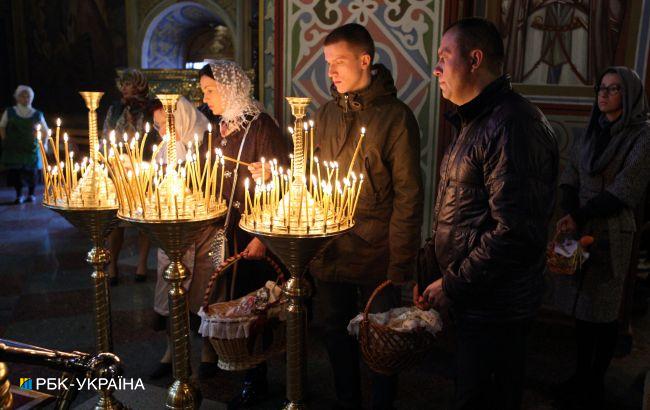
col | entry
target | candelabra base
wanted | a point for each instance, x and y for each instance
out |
(175, 237)
(296, 252)
(97, 223)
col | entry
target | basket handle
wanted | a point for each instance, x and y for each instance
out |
(379, 288)
(228, 262)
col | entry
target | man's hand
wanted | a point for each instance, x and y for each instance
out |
(418, 300)
(255, 250)
(566, 225)
(435, 296)
(256, 170)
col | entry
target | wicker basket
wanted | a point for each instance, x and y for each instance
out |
(266, 340)
(386, 350)
(561, 265)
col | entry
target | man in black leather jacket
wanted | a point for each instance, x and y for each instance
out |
(494, 202)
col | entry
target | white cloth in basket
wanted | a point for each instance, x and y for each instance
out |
(402, 319)
(231, 326)
(568, 247)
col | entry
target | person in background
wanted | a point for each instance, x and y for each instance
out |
(495, 199)
(20, 154)
(602, 185)
(129, 114)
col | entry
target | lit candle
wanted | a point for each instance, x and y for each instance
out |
(223, 171)
(158, 200)
(356, 151)
(58, 133)
(71, 164)
(356, 200)
(336, 167)
(147, 128)
(246, 196)
(67, 159)
(318, 186)
(311, 154)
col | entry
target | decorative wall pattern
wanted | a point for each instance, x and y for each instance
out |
(268, 55)
(406, 35)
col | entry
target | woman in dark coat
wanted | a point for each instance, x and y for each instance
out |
(246, 133)
(602, 185)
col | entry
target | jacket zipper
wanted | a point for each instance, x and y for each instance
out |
(346, 103)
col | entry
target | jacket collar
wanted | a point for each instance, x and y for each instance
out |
(483, 102)
(381, 85)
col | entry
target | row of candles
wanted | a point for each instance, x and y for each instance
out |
(291, 202)
(62, 179)
(288, 201)
(277, 206)
(158, 190)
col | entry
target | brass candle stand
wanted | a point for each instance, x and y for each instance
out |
(174, 238)
(90, 205)
(6, 398)
(172, 204)
(295, 222)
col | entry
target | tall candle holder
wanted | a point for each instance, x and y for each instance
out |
(172, 204)
(296, 217)
(90, 204)
(6, 398)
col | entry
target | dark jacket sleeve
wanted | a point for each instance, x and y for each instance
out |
(510, 207)
(601, 206)
(569, 200)
(406, 218)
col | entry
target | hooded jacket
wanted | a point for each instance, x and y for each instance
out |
(386, 236)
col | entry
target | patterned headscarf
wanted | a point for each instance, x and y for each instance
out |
(135, 78)
(235, 88)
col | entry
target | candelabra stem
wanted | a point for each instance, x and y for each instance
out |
(181, 395)
(295, 291)
(99, 257)
(6, 399)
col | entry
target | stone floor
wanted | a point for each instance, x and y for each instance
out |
(46, 300)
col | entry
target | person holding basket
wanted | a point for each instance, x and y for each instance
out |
(603, 183)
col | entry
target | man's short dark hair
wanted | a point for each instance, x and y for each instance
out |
(354, 34)
(478, 33)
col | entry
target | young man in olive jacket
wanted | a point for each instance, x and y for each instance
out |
(494, 203)
(384, 241)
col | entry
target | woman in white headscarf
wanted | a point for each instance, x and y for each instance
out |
(247, 133)
(190, 127)
(20, 155)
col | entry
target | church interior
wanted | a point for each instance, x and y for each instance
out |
(63, 304)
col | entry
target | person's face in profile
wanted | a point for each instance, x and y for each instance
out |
(346, 65)
(159, 119)
(212, 95)
(453, 69)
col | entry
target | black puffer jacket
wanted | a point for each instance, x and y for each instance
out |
(494, 203)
